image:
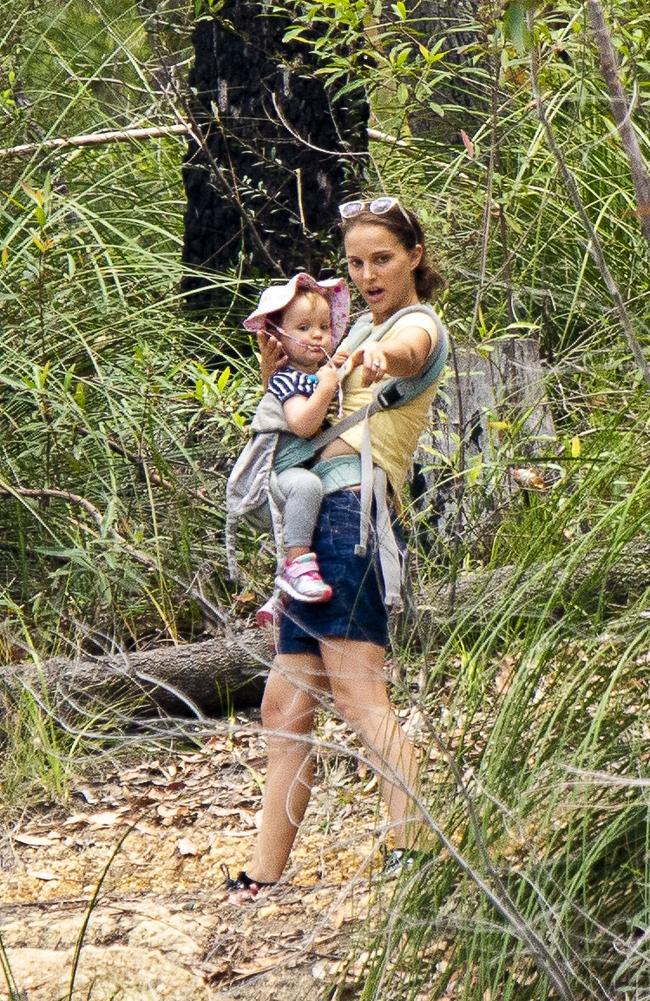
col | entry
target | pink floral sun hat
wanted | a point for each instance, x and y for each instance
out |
(277, 297)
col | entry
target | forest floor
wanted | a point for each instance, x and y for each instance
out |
(160, 830)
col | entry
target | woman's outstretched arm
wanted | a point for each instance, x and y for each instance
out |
(403, 356)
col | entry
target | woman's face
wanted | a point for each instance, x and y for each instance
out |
(381, 268)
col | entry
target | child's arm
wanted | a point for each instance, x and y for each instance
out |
(305, 414)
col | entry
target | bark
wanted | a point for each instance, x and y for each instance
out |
(462, 97)
(207, 677)
(622, 114)
(279, 153)
(575, 578)
(213, 676)
(504, 387)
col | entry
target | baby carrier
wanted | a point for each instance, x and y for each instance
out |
(250, 489)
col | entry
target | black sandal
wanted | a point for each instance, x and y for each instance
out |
(242, 889)
(404, 860)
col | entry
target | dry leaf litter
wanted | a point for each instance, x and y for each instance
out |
(157, 835)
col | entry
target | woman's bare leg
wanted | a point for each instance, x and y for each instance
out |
(355, 671)
(292, 695)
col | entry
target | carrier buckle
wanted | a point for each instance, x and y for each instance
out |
(389, 396)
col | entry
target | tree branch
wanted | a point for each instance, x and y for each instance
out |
(131, 134)
(622, 113)
(97, 139)
(594, 246)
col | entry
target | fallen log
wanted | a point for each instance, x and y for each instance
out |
(540, 589)
(214, 676)
(206, 678)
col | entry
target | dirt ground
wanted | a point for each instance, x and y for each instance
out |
(120, 894)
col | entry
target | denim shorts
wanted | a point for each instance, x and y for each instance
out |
(356, 610)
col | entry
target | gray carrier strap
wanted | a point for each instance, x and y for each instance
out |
(389, 558)
(247, 489)
(394, 393)
(270, 460)
(367, 489)
(344, 471)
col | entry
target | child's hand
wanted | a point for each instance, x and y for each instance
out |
(272, 355)
(328, 378)
(339, 358)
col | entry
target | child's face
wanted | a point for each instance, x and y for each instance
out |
(308, 324)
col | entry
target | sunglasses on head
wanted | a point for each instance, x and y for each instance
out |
(378, 206)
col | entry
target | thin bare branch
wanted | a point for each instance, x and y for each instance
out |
(96, 139)
(622, 113)
(594, 245)
(155, 132)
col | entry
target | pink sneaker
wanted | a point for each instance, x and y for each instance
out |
(301, 580)
(265, 616)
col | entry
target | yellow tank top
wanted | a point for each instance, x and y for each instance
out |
(394, 434)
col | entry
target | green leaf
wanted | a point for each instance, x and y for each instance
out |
(294, 35)
(68, 377)
(109, 517)
(222, 381)
(515, 26)
(475, 469)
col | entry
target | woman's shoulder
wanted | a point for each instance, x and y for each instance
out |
(420, 317)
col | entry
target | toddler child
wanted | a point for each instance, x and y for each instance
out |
(308, 318)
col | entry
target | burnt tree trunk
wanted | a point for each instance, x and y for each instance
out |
(463, 97)
(276, 161)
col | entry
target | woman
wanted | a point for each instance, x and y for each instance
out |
(339, 647)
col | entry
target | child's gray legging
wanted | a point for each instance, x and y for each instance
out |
(299, 495)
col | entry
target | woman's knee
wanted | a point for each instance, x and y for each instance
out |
(364, 712)
(286, 709)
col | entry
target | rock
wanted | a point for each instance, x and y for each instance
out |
(45, 974)
(177, 934)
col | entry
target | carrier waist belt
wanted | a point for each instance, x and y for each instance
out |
(338, 472)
